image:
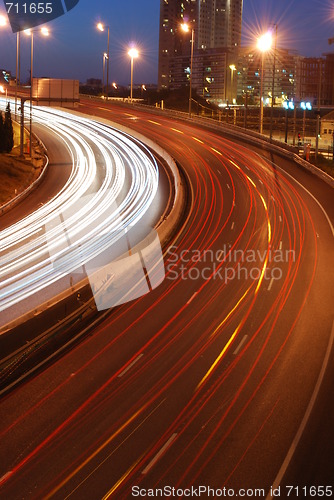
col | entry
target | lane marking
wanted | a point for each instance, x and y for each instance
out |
(240, 345)
(155, 123)
(158, 455)
(130, 365)
(313, 197)
(105, 109)
(198, 140)
(280, 218)
(232, 227)
(270, 284)
(228, 186)
(218, 152)
(236, 166)
(192, 298)
(176, 130)
(122, 479)
(106, 443)
(307, 415)
(311, 404)
(280, 245)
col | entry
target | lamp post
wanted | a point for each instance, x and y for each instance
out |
(45, 32)
(104, 57)
(233, 69)
(186, 29)
(18, 65)
(133, 53)
(3, 24)
(264, 44)
(273, 86)
(101, 27)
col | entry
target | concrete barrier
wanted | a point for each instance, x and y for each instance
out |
(39, 160)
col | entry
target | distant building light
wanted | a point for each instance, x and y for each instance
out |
(288, 105)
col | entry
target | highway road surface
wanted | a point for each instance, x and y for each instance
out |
(208, 380)
(110, 187)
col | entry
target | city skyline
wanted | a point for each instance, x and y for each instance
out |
(75, 47)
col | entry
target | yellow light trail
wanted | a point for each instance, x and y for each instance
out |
(198, 140)
(230, 313)
(262, 275)
(122, 479)
(219, 357)
(236, 166)
(250, 180)
(97, 451)
(216, 151)
(269, 240)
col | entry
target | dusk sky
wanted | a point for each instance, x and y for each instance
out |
(75, 47)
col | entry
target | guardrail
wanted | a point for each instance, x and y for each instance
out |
(250, 136)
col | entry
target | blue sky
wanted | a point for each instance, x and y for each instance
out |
(75, 47)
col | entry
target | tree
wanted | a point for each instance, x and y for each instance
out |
(8, 131)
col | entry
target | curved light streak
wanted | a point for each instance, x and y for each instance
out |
(82, 220)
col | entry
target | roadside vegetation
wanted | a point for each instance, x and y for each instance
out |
(6, 131)
(16, 175)
(327, 165)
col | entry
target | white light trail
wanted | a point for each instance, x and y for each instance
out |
(112, 184)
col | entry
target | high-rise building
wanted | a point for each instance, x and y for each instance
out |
(219, 24)
(249, 75)
(217, 35)
(172, 41)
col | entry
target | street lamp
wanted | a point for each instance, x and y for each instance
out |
(186, 29)
(233, 69)
(133, 53)
(45, 32)
(101, 27)
(263, 44)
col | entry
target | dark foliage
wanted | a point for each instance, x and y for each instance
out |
(6, 132)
